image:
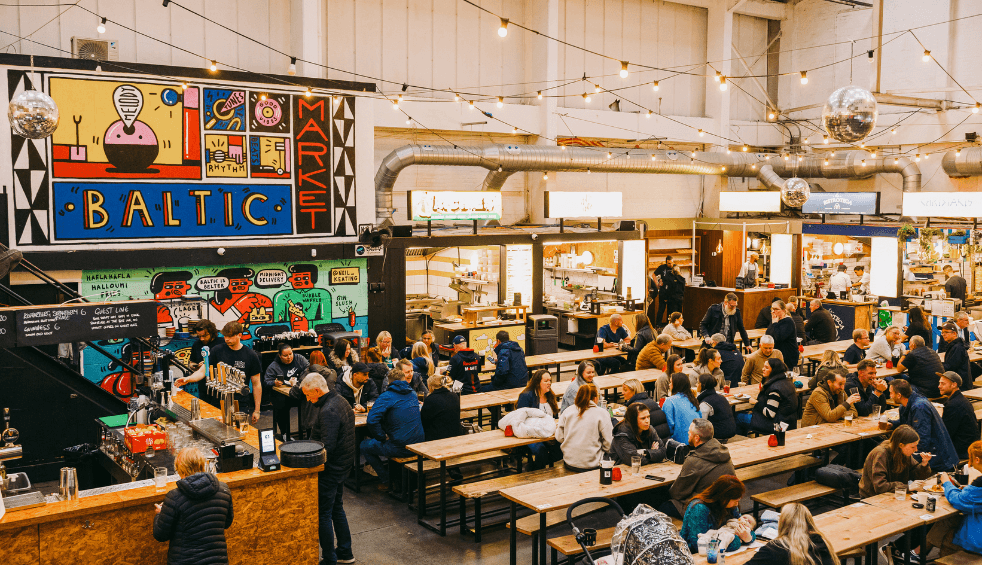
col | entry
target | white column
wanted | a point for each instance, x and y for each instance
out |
(719, 47)
(308, 41)
(543, 56)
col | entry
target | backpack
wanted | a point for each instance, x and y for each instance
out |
(837, 476)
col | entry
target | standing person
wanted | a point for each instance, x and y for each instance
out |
(335, 428)
(820, 327)
(872, 390)
(777, 402)
(234, 354)
(887, 346)
(712, 509)
(724, 318)
(955, 532)
(708, 461)
(955, 285)
(715, 408)
(584, 431)
(753, 369)
(660, 273)
(510, 370)
(681, 408)
(918, 412)
(732, 361)
(749, 271)
(922, 366)
(785, 336)
(862, 285)
(892, 464)
(357, 388)
(585, 373)
(674, 327)
(207, 335)
(465, 366)
(653, 287)
(612, 336)
(828, 402)
(959, 415)
(393, 423)
(643, 335)
(635, 436)
(839, 283)
(857, 350)
(538, 394)
(798, 541)
(674, 289)
(284, 367)
(917, 325)
(653, 354)
(956, 353)
(194, 516)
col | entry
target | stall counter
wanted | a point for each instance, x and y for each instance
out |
(480, 338)
(849, 315)
(116, 527)
(698, 299)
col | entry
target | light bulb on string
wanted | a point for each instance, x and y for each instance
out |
(588, 170)
(927, 56)
(456, 97)
(292, 68)
(214, 66)
(623, 69)
(958, 152)
(501, 102)
(101, 28)
(745, 148)
(917, 157)
(702, 133)
(648, 115)
(596, 88)
(723, 168)
(804, 77)
(863, 162)
(470, 104)
(503, 30)
(722, 83)
(826, 161)
(718, 74)
(545, 176)
(926, 155)
(609, 154)
(652, 156)
(832, 154)
(395, 104)
(785, 156)
(896, 160)
(727, 150)
(307, 92)
(753, 166)
(184, 85)
(539, 95)
(771, 116)
(825, 139)
(978, 105)
(893, 131)
(873, 154)
(586, 97)
(655, 86)
(514, 130)
(262, 96)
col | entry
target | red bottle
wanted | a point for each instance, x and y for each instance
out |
(509, 432)
(616, 473)
(772, 441)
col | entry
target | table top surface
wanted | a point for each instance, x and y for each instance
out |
(816, 351)
(697, 342)
(469, 444)
(586, 315)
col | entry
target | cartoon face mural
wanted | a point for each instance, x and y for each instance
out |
(266, 298)
(129, 144)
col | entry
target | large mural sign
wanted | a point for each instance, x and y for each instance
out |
(144, 161)
(268, 299)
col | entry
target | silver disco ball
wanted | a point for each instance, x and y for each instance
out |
(795, 192)
(33, 114)
(849, 114)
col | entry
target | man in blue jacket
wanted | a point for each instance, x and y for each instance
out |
(510, 370)
(917, 412)
(393, 423)
(465, 366)
(968, 501)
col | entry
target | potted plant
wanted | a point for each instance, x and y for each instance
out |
(906, 231)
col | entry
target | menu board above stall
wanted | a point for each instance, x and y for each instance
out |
(583, 204)
(943, 204)
(428, 206)
(90, 321)
(863, 203)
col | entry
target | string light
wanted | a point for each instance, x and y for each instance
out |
(307, 92)
(862, 145)
(917, 157)
(588, 170)
(771, 116)
(214, 66)
(648, 115)
(745, 148)
(958, 152)
(514, 130)
(101, 28)
(400, 98)
(539, 95)
(785, 156)
(753, 165)
(723, 169)
(562, 147)
(470, 104)
(893, 131)
(655, 86)
(727, 150)
(926, 155)
(825, 139)
(804, 77)
(610, 154)
(184, 85)
(456, 97)
(978, 105)
(832, 154)
(262, 96)
(501, 102)
(806, 141)
(896, 160)
(870, 55)
(927, 56)
(863, 162)
(652, 156)
(623, 69)
(503, 30)
(395, 104)
(292, 69)
(826, 161)
(586, 97)
(701, 133)
(693, 154)
(873, 154)
(409, 121)
(718, 74)
(596, 88)
(545, 176)
(722, 83)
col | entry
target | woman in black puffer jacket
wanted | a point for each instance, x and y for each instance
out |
(195, 515)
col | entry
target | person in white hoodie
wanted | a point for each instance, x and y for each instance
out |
(584, 431)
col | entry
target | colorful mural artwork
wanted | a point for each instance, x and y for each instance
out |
(267, 299)
(146, 161)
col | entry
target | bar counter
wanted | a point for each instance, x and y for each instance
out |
(117, 527)
(698, 299)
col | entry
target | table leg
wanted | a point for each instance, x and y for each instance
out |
(922, 539)
(513, 535)
(495, 416)
(907, 548)
(420, 490)
(542, 538)
(535, 549)
(477, 520)
(357, 469)
(462, 517)
(480, 416)
(443, 498)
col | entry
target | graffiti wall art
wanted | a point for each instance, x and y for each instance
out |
(267, 299)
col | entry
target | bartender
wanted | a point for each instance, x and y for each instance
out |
(839, 283)
(954, 287)
(863, 282)
(237, 355)
(749, 271)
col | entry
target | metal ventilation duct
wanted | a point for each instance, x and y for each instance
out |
(505, 160)
(968, 164)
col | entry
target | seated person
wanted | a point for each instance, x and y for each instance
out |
(510, 370)
(796, 535)
(918, 413)
(964, 531)
(764, 316)
(959, 414)
(732, 361)
(357, 387)
(538, 394)
(612, 336)
(922, 366)
(681, 408)
(281, 370)
(716, 408)
(636, 436)
(393, 423)
(857, 351)
(828, 402)
(643, 335)
(956, 352)
(830, 364)
(653, 354)
(753, 369)
(440, 413)
(887, 346)
(586, 371)
(872, 389)
(584, 431)
(820, 328)
(708, 461)
(633, 391)
(892, 465)
(416, 380)
(384, 351)
(674, 328)
(777, 402)
(465, 366)
(713, 509)
(709, 361)
(663, 384)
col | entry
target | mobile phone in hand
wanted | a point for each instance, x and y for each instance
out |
(654, 478)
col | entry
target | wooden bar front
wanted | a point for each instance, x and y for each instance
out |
(117, 527)
(698, 299)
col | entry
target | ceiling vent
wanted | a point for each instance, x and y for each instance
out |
(95, 49)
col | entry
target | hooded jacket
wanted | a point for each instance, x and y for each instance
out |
(968, 501)
(334, 426)
(440, 414)
(659, 422)
(733, 361)
(193, 519)
(777, 402)
(346, 389)
(395, 417)
(338, 364)
(921, 415)
(307, 411)
(278, 371)
(465, 366)
(705, 464)
(626, 445)
(825, 406)
(510, 371)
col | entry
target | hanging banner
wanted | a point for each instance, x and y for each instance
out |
(943, 204)
(864, 203)
(426, 206)
(583, 204)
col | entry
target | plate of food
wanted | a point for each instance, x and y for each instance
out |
(620, 411)
(741, 396)
(933, 487)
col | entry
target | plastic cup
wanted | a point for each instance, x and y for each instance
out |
(900, 493)
(160, 477)
(636, 465)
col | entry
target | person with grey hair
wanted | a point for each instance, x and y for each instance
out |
(753, 369)
(962, 320)
(820, 327)
(334, 426)
(887, 346)
(653, 354)
(724, 318)
(732, 360)
(612, 335)
(922, 366)
(785, 336)
(707, 461)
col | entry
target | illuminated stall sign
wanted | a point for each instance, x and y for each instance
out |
(583, 204)
(943, 204)
(425, 206)
(750, 201)
(863, 203)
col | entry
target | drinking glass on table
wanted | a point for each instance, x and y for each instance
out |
(900, 493)
(636, 465)
(848, 419)
(160, 477)
(853, 390)
(148, 454)
(875, 414)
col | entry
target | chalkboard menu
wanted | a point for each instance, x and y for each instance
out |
(45, 325)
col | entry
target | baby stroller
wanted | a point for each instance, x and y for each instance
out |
(645, 537)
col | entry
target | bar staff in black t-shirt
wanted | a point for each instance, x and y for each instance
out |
(237, 355)
(207, 335)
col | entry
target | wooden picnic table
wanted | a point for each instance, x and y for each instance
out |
(698, 342)
(557, 359)
(816, 351)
